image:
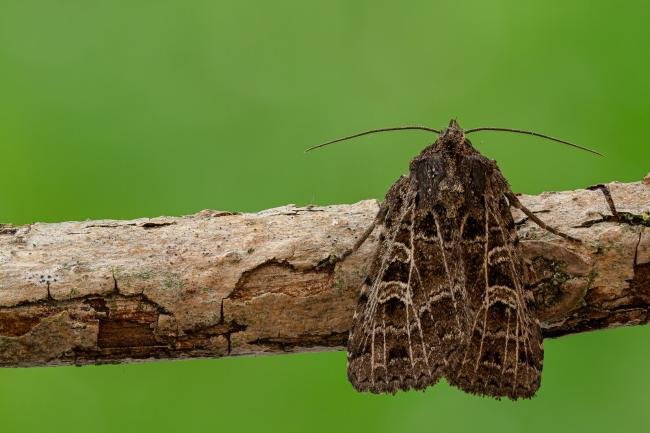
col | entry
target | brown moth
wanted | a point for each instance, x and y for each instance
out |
(445, 294)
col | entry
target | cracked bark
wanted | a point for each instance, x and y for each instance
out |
(218, 283)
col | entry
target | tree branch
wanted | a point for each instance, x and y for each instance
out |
(217, 283)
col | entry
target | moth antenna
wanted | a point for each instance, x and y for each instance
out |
(373, 131)
(536, 134)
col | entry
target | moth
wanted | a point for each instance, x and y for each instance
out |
(445, 295)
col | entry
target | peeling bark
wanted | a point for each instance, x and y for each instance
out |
(219, 283)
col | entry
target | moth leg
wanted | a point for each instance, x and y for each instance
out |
(514, 201)
(381, 214)
(608, 199)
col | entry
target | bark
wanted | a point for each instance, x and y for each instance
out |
(219, 283)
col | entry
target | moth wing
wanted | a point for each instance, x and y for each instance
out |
(502, 352)
(400, 324)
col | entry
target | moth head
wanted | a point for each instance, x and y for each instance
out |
(452, 135)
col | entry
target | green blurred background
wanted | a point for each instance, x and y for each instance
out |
(123, 109)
